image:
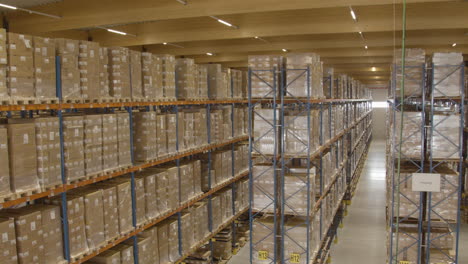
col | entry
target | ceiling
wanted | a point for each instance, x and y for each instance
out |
(324, 27)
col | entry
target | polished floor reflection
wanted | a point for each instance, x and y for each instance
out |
(363, 236)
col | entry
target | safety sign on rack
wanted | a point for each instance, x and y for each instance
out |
(295, 258)
(263, 255)
(426, 182)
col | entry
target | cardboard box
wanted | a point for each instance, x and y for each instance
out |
(144, 249)
(52, 233)
(44, 68)
(94, 217)
(264, 67)
(126, 253)
(186, 71)
(152, 235)
(161, 135)
(136, 74)
(110, 154)
(148, 75)
(3, 47)
(103, 72)
(140, 200)
(187, 228)
(48, 151)
(151, 199)
(171, 133)
(144, 140)
(8, 242)
(4, 163)
(173, 239)
(163, 242)
(124, 200)
(163, 202)
(201, 80)
(23, 159)
(119, 72)
(106, 257)
(20, 70)
(73, 134)
(68, 50)
(29, 233)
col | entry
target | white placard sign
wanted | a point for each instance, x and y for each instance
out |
(426, 182)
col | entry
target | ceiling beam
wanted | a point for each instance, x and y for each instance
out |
(92, 13)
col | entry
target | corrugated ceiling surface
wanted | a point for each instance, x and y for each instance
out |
(28, 3)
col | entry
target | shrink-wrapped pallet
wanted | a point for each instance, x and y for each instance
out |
(140, 200)
(168, 65)
(171, 123)
(48, 151)
(4, 164)
(163, 242)
(20, 70)
(411, 146)
(152, 235)
(265, 131)
(126, 253)
(8, 242)
(151, 76)
(110, 211)
(173, 239)
(110, 147)
(44, 68)
(263, 188)
(124, 203)
(94, 217)
(186, 71)
(161, 135)
(263, 240)
(201, 80)
(68, 50)
(304, 75)
(448, 74)
(150, 194)
(123, 137)
(89, 65)
(103, 72)
(119, 73)
(136, 74)
(93, 144)
(106, 257)
(414, 72)
(265, 75)
(445, 137)
(299, 239)
(144, 141)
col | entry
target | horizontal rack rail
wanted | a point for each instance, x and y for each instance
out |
(165, 216)
(67, 187)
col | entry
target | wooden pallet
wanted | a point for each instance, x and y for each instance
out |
(7, 197)
(5, 101)
(72, 100)
(53, 100)
(22, 101)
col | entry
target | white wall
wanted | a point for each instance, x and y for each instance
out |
(378, 120)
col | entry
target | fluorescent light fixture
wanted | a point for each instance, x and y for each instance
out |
(366, 47)
(29, 11)
(360, 32)
(209, 54)
(382, 104)
(164, 43)
(172, 44)
(262, 39)
(256, 37)
(224, 22)
(284, 50)
(8, 6)
(117, 32)
(182, 2)
(454, 44)
(373, 69)
(353, 15)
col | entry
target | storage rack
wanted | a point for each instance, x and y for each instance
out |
(274, 104)
(418, 225)
(59, 109)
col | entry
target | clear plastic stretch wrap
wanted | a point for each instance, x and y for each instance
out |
(264, 132)
(445, 137)
(448, 71)
(411, 146)
(265, 75)
(414, 72)
(299, 82)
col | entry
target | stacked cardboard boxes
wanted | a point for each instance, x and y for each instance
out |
(144, 140)
(201, 80)
(217, 82)
(119, 73)
(93, 144)
(168, 66)
(413, 72)
(148, 72)
(4, 164)
(448, 71)
(268, 67)
(48, 151)
(236, 76)
(110, 146)
(88, 63)
(304, 72)
(171, 125)
(44, 68)
(8, 242)
(161, 135)
(3, 65)
(68, 50)
(73, 134)
(103, 73)
(20, 71)
(123, 138)
(185, 71)
(136, 75)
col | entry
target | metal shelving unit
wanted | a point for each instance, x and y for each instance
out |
(58, 110)
(417, 234)
(277, 111)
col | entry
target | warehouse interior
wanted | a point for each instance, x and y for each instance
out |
(207, 131)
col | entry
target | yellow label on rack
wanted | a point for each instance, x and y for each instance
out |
(295, 258)
(263, 255)
(404, 262)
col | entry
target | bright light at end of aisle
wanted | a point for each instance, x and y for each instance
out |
(382, 104)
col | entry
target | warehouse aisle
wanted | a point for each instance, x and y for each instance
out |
(363, 233)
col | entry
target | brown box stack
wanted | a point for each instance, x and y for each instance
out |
(76, 224)
(119, 72)
(103, 72)
(163, 242)
(186, 176)
(110, 211)
(201, 79)
(186, 71)
(140, 200)
(151, 202)
(94, 217)
(168, 76)
(20, 69)
(162, 201)
(22, 157)
(4, 163)
(144, 249)
(236, 76)
(144, 140)
(136, 74)
(126, 253)
(68, 50)
(414, 72)
(215, 81)
(171, 133)
(29, 233)
(52, 233)
(3, 65)
(172, 188)
(110, 147)
(93, 144)
(106, 257)
(148, 72)
(73, 134)
(8, 242)
(173, 239)
(303, 83)
(159, 77)
(152, 235)
(48, 151)
(88, 63)
(161, 135)
(188, 223)
(124, 200)
(44, 68)
(264, 67)
(123, 137)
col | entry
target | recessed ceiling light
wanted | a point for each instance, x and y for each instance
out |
(164, 43)
(366, 47)
(224, 22)
(454, 44)
(209, 54)
(373, 69)
(353, 15)
(182, 2)
(256, 37)
(284, 50)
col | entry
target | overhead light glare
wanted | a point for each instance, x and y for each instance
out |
(182, 2)
(117, 32)
(373, 69)
(284, 50)
(172, 44)
(9, 6)
(224, 22)
(209, 54)
(353, 15)
(164, 43)
(366, 47)
(262, 39)
(454, 44)
(256, 37)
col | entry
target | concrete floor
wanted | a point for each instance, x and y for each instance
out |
(363, 237)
